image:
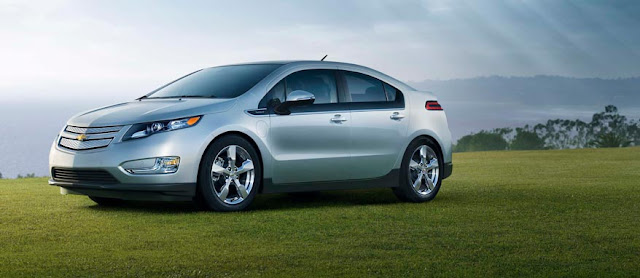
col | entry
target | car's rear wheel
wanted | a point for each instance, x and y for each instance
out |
(420, 172)
(230, 174)
(106, 202)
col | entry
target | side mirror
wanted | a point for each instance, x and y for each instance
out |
(295, 98)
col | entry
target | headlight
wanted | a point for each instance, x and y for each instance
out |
(147, 129)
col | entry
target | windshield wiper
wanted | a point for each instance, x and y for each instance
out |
(142, 97)
(185, 96)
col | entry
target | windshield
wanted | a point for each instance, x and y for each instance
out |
(218, 82)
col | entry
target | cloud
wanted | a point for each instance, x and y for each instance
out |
(134, 46)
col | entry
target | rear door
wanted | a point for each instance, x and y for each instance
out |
(378, 124)
(312, 143)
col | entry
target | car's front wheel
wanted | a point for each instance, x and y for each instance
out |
(230, 174)
(420, 172)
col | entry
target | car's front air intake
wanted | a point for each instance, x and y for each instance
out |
(87, 138)
(82, 176)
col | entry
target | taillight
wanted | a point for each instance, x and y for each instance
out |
(433, 105)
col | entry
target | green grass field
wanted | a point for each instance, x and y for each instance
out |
(538, 213)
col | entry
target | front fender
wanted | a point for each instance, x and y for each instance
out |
(257, 132)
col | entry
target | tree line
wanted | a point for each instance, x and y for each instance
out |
(32, 175)
(607, 129)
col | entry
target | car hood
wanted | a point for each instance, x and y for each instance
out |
(149, 110)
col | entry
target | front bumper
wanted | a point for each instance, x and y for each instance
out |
(188, 144)
(137, 192)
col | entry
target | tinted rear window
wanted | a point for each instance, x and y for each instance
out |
(391, 92)
(218, 82)
(364, 88)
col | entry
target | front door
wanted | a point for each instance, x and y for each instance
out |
(312, 143)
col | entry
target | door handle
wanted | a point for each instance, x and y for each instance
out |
(337, 118)
(396, 116)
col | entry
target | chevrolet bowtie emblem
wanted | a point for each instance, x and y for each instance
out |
(81, 137)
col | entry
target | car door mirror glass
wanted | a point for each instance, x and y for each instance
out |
(300, 95)
(295, 98)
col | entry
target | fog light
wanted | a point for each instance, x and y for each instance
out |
(158, 165)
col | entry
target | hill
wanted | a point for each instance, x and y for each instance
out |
(497, 101)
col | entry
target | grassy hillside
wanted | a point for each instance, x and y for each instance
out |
(540, 213)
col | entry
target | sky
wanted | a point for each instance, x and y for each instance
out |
(61, 57)
(121, 49)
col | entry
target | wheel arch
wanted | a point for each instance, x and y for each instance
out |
(432, 137)
(435, 141)
(240, 134)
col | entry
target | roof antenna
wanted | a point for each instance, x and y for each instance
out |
(325, 56)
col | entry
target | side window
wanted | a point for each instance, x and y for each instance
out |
(391, 92)
(274, 97)
(321, 83)
(364, 88)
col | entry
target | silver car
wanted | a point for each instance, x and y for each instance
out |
(222, 135)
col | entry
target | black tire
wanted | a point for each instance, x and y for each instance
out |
(207, 197)
(106, 202)
(405, 191)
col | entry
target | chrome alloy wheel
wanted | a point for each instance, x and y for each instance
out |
(424, 170)
(232, 174)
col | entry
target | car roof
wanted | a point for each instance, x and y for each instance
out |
(285, 62)
(331, 63)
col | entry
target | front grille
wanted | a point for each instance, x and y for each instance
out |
(84, 145)
(92, 130)
(88, 138)
(82, 176)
